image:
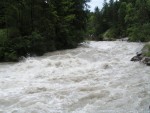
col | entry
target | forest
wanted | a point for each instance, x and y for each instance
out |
(119, 19)
(34, 27)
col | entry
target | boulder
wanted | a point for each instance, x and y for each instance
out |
(138, 57)
(139, 54)
(135, 58)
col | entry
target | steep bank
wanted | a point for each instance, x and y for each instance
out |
(143, 55)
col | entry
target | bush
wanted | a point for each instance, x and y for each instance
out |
(146, 50)
(6, 55)
(37, 43)
(13, 47)
(110, 34)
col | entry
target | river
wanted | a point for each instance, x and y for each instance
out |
(97, 77)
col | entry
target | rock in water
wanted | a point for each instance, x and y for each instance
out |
(136, 58)
(139, 54)
(146, 60)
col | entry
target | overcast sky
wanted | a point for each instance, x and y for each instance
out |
(95, 3)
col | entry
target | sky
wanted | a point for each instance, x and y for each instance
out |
(95, 3)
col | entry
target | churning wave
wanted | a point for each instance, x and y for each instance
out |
(96, 77)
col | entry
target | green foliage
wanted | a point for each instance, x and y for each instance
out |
(146, 50)
(36, 44)
(110, 34)
(3, 40)
(122, 18)
(3, 37)
(147, 54)
(90, 24)
(36, 26)
(10, 56)
(5, 53)
(140, 33)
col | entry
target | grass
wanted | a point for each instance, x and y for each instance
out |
(146, 50)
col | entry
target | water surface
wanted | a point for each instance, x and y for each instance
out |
(97, 77)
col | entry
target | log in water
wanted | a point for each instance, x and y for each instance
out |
(95, 78)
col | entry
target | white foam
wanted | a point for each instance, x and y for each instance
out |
(95, 78)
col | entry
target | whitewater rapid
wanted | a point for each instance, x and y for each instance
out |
(97, 77)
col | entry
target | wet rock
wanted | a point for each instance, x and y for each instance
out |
(135, 58)
(139, 54)
(142, 55)
(138, 57)
(146, 60)
(123, 39)
(148, 63)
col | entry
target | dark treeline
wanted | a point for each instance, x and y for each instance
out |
(121, 18)
(37, 26)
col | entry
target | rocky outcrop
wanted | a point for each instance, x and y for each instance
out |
(138, 57)
(143, 56)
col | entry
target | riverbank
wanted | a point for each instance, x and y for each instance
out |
(143, 55)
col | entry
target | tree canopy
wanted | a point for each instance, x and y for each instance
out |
(37, 26)
(118, 19)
